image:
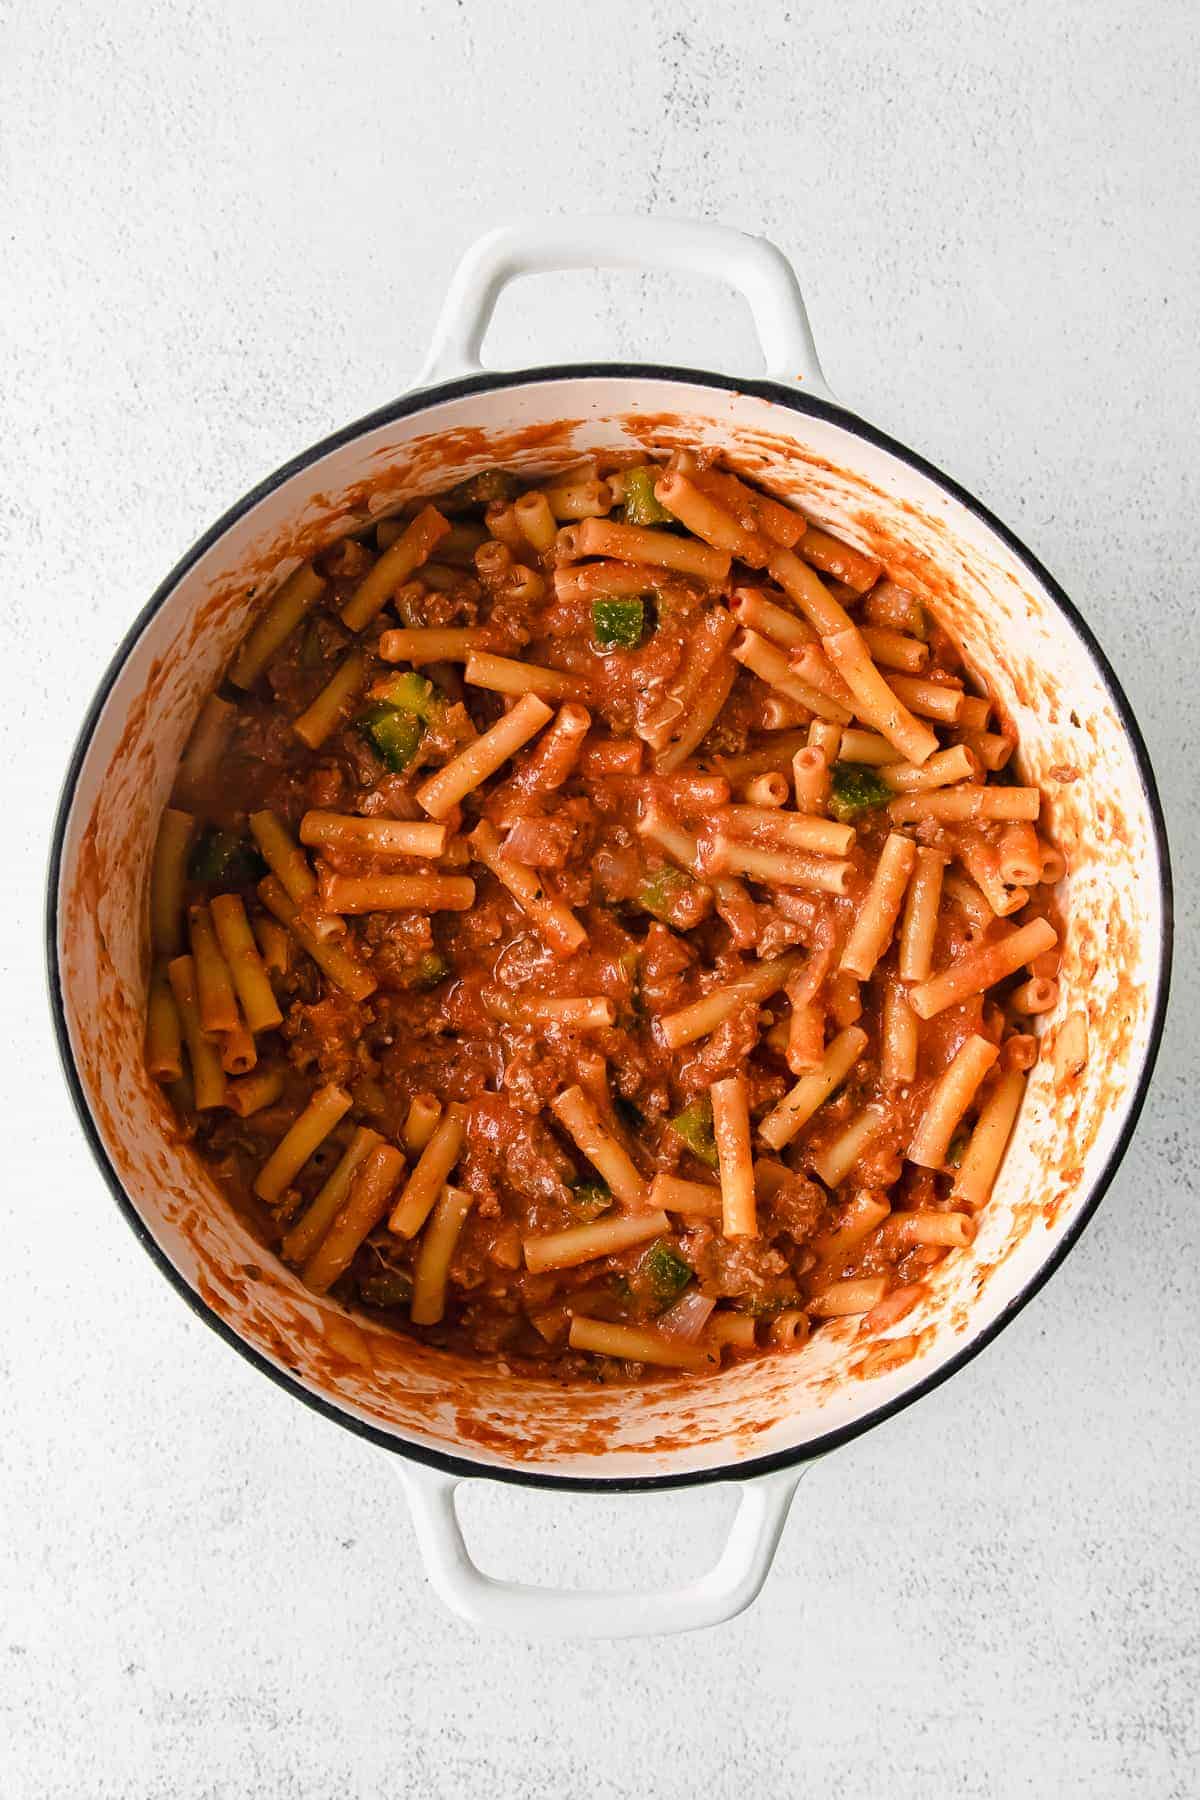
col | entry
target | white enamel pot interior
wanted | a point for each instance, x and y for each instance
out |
(760, 1422)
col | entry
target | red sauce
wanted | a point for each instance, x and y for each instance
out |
(658, 937)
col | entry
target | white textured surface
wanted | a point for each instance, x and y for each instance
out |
(226, 230)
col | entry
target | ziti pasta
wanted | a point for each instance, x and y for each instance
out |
(621, 903)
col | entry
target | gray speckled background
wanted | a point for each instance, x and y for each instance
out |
(225, 230)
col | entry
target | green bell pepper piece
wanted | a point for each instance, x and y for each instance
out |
(642, 505)
(618, 624)
(225, 857)
(661, 1274)
(856, 789)
(395, 736)
(415, 694)
(695, 1126)
(657, 894)
(588, 1200)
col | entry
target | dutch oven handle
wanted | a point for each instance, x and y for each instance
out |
(725, 1590)
(720, 1593)
(759, 272)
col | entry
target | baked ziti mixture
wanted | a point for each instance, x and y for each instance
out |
(597, 925)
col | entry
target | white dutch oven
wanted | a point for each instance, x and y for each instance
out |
(758, 1424)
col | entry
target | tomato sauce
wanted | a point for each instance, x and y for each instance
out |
(662, 931)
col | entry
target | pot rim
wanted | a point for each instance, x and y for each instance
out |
(422, 399)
